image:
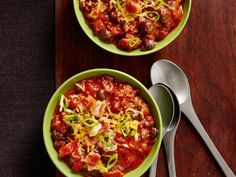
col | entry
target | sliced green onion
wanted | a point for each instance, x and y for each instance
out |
(63, 103)
(68, 119)
(71, 116)
(125, 118)
(112, 161)
(73, 126)
(101, 168)
(90, 122)
(134, 41)
(107, 141)
(159, 4)
(123, 122)
(125, 130)
(111, 147)
(69, 111)
(118, 5)
(133, 132)
(155, 15)
(95, 129)
(75, 129)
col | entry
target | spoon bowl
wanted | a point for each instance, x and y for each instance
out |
(164, 71)
(165, 101)
(170, 113)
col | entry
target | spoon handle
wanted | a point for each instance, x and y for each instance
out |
(153, 168)
(188, 110)
(168, 141)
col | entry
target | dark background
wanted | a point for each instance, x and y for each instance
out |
(26, 84)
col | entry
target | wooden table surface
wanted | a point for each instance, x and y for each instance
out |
(205, 50)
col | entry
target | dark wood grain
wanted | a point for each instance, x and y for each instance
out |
(205, 50)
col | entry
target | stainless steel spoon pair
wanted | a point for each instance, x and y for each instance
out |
(164, 71)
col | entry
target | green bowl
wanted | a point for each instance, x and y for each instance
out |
(113, 49)
(121, 76)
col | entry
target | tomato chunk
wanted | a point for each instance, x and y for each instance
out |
(92, 158)
(65, 150)
(68, 149)
(114, 173)
(132, 6)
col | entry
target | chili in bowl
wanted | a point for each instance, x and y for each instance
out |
(102, 122)
(132, 27)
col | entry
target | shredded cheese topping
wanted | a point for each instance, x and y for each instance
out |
(87, 124)
(142, 8)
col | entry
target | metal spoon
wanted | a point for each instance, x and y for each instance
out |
(170, 112)
(169, 138)
(169, 73)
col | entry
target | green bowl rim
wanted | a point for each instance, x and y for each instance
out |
(113, 49)
(93, 73)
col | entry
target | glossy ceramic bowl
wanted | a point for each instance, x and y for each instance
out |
(113, 49)
(121, 76)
